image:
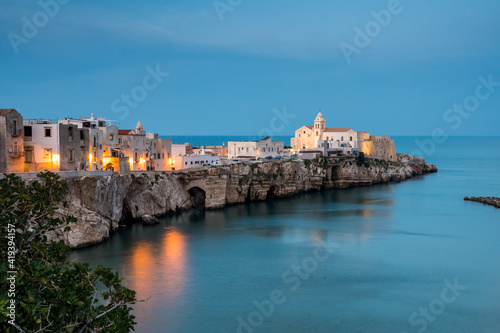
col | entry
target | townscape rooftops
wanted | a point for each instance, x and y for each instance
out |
(338, 129)
(4, 112)
(123, 131)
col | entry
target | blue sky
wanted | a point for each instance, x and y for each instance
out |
(226, 77)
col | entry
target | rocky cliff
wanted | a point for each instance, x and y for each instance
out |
(101, 202)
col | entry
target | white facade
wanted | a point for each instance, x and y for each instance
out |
(320, 137)
(194, 161)
(160, 151)
(43, 149)
(255, 149)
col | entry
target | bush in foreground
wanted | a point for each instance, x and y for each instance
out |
(48, 293)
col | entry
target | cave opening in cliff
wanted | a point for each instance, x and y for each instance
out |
(272, 192)
(198, 197)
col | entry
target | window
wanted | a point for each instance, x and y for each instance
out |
(111, 137)
(341, 138)
(28, 131)
(185, 163)
(350, 139)
(48, 132)
(317, 133)
(47, 153)
(70, 132)
(163, 156)
(71, 156)
(82, 135)
(14, 127)
(95, 142)
(120, 140)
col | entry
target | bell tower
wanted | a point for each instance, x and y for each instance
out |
(319, 125)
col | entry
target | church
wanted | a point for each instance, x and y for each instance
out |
(341, 141)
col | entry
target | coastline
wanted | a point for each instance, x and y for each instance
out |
(104, 203)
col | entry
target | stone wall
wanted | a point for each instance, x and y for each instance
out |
(102, 202)
(381, 149)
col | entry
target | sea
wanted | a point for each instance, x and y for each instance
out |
(399, 257)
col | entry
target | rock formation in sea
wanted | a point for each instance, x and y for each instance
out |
(492, 201)
(101, 203)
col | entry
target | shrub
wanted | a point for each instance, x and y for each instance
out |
(52, 294)
(361, 159)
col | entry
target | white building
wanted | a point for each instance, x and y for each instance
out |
(255, 149)
(133, 144)
(41, 144)
(322, 140)
(159, 152)
(194, 161)
(310, 137)
(182, 149)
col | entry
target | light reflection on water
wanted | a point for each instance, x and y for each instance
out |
(397, 244)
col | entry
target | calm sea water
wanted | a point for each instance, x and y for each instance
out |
(394, 252)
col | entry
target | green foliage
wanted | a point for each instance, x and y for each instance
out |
(275, 176)
(307, 162)
(361, 159)
(51, 294)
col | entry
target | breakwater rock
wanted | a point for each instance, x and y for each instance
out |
(492, 201)
(102, 203)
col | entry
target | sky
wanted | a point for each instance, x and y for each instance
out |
(239, 67)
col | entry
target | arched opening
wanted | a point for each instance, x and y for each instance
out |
(110, 167)
(271, 193)
(198, 197)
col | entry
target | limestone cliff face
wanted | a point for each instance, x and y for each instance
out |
(101, 202)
